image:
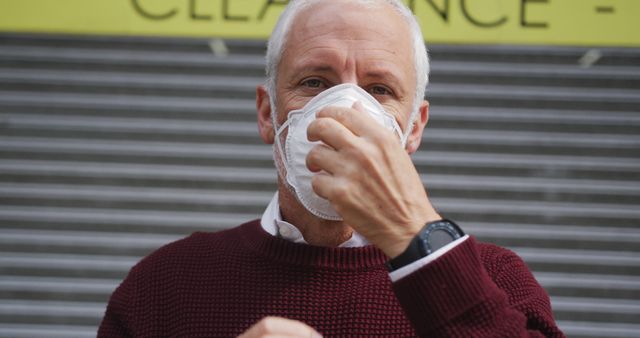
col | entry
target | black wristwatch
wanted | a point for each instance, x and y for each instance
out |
(432, 236)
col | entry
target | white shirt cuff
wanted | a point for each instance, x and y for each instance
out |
(415, 266)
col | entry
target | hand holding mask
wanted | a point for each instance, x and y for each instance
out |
(297, 146)
(344, 166)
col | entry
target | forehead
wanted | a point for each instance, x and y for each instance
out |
(368, 33)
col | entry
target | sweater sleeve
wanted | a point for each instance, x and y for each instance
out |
(457, 295)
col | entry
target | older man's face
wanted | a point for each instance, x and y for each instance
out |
(336, 42)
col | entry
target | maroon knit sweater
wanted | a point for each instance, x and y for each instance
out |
(219, 284)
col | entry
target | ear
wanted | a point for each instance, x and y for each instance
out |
(265, 123)
(414, 139)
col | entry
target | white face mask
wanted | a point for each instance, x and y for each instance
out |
(297, 146)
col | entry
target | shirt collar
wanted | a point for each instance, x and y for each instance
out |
(273, 223)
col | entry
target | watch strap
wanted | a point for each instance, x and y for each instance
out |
(420, 247)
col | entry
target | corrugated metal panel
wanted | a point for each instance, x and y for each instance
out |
(111, 147)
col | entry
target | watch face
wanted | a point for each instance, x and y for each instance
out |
(439, 238)
(440, 234)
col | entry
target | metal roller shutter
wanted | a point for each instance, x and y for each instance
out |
(111, 147)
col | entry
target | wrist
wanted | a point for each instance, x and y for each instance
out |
(397, 247)
(397, 243)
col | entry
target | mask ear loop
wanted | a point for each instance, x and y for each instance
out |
(404, 136)
(279, 132)
(278, 143)
(406, 133)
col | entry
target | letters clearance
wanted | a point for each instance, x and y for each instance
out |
(558, 22)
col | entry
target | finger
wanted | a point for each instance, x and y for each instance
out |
(330, 132)
(322, 184)
(322, 157)
(334, 189)
(277, 326)
(355, 119)
(359, 107)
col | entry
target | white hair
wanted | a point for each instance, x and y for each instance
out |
(278, 39)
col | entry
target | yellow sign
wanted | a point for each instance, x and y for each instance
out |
(559, 22)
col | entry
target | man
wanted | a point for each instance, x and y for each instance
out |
(344, 106)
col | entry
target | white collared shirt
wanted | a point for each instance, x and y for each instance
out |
(273, 223)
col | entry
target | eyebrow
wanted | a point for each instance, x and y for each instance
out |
(319, 66)
(313, 66)
(385, 74)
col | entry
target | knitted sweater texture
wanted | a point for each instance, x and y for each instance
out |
(219, 284)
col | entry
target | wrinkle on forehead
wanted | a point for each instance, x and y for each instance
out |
(377, 31)
(339, 16)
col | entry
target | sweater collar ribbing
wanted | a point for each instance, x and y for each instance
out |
(360, 258)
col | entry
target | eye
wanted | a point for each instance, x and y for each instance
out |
(380, 90)
(313, 83)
